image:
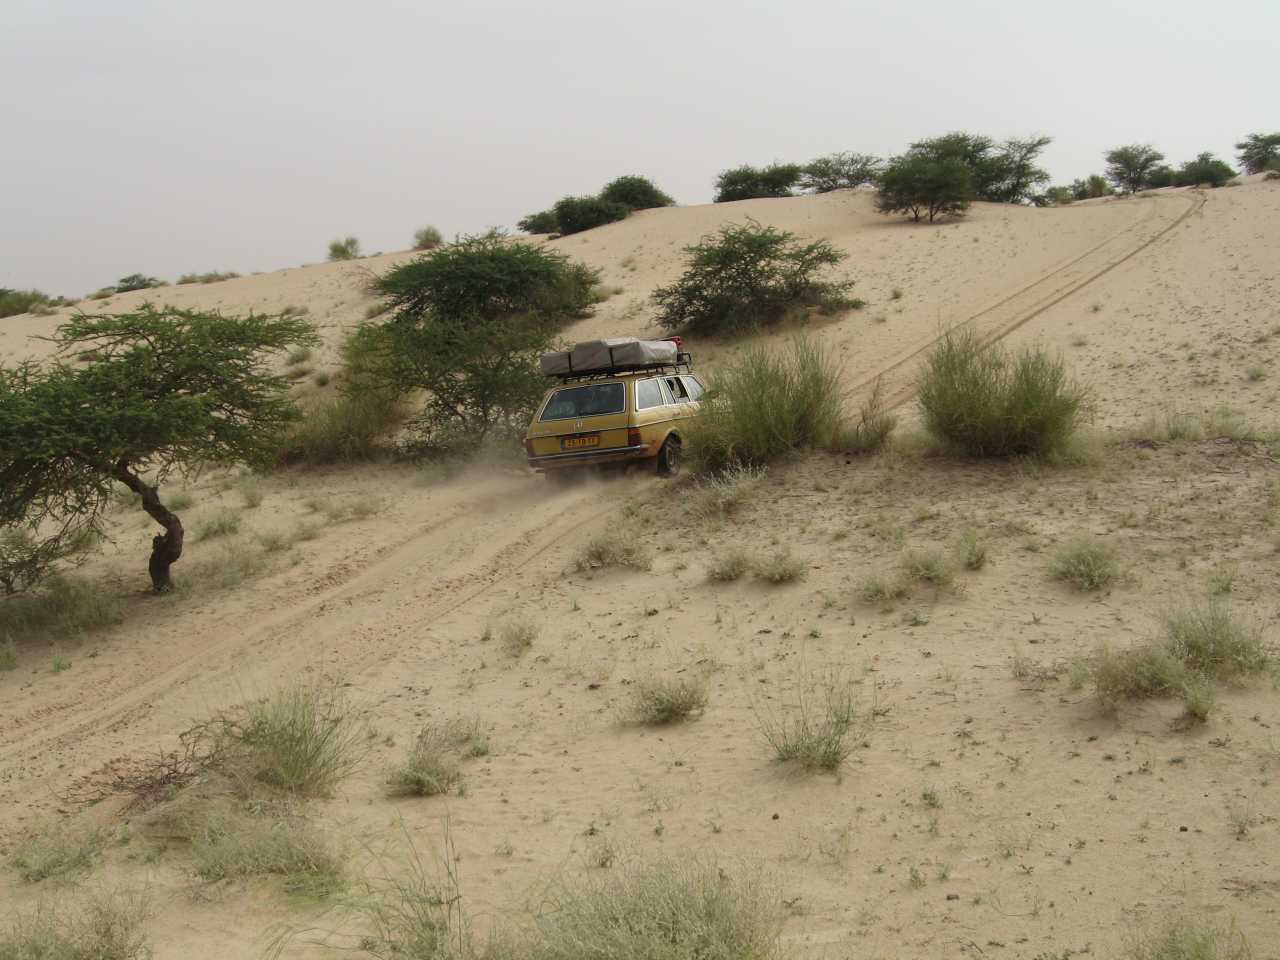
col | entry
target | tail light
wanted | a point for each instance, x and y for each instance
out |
(633, 437)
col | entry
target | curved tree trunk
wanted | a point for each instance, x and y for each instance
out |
(166, 548)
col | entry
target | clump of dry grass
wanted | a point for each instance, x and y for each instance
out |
(929, 566)
(730, 565)
(971, 551)
(661, 700)
(1086, 563)
(1189, 939)
(720, 495)
(57, 850)
(433, 765)
(879, 589)
(619, 549)
(108, 926)
(515, 636)
(813, 733)
(873, 428)
(781, 567)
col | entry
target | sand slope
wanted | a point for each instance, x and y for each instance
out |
(1059, 826)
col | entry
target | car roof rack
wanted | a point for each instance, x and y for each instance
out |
(683, 364)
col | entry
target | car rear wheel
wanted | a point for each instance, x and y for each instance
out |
(669, 458)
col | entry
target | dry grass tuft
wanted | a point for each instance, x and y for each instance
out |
(815, 732)
(730, 565)
(719, 496)
(57, 851)
(658, 700)
(1185, 939)
(929, 566)
(613, 550)
(109, 926)
(780, 568)
(433, 765)
(1086, 563)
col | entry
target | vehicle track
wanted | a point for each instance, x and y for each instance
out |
(997, 321)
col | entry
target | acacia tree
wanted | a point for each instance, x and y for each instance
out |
(1130, 168)
(132, 398)
(1259, 152)
(917, 183)
(753, 183)
(839, 171)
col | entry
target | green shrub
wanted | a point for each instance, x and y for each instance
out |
(137, 281)
(428, 238)
(106, 927)
(839, 171)
(1085, 563)
(1092, 187)
(223, 524)
(919, 185)
(211, 277)
(575, 214)
(985, 402)
(748, 183)
(635, 193)
(1189, 939)
(303, 739)
(1204, 169)
(347, 248)
(747, 275)
(1131, 168)
(1207, 639)
(343, 428)
(543, 222)
(765, 405)
(14, 302)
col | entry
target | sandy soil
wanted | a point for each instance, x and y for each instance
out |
(1059, 828)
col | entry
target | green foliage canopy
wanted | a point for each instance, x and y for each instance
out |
(919, 184)
(635, 192)
(750, 183)
(1259, 152)
(1131, 167)
(575, 214)
(839, 171)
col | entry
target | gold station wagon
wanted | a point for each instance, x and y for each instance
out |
(617, 412)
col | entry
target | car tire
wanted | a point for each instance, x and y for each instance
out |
(668, 464)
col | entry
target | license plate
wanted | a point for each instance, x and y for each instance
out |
(577, 443)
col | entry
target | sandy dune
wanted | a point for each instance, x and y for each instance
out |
(1059, 826)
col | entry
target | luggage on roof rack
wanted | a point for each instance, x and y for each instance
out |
(612, 356)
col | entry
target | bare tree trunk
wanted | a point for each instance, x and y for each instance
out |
(166, 548)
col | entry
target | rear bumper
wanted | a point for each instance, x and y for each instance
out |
(577, 458)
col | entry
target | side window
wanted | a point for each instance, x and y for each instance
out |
(678, 392)
(648, 394)
(666, 392)
(694, 387)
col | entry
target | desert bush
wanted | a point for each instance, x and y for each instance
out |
(105, 927)
(543, 222)
(664, 910)
(767, 404)
(213, 276)
(516, 636)
(61, 608)
(58, 851)
(780, 567)
(14, 302)
(748, 183)
(1131, 167)
(929, 566)
(729, 566)
(25, 559)
(137, 281)
(1086, 563)
(985, 402)
(1208, 639)
(346, 248)
(814, 733)
(747, 275)
(718, 496)
(1162, 175)
(879, 589)
(635, 193)
(839, 171)
(660, 700)
(1091, 187)
(618, 549)
(228, 567)
(303, 738)
(1190, 939)
(575, 214)
(1204, 169)
(352, 425)
(469, 322)
(427, 238)
(971, 551)
(1259, 152)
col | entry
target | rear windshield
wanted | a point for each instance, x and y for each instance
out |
(588, 400)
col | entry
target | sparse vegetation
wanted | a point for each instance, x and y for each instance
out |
(635, 192)
(222, 524)
(1086, 563)
(1189, 939)
(929, 566)
(879, 589)
(662, 700)
(873, 427)
(432, 766)
(813, 733)
(780, 567)
(839, 171)
(748, 183)
(720, 495)
(1131, 168)
(985, 402)
(345, 248)
(767, 404)
(971, 551)
(57, 851)
(211, 277)
(105, 927)
(746, 276)
(516, 636)
(62, 608)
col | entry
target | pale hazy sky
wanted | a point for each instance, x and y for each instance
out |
(170, 136)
